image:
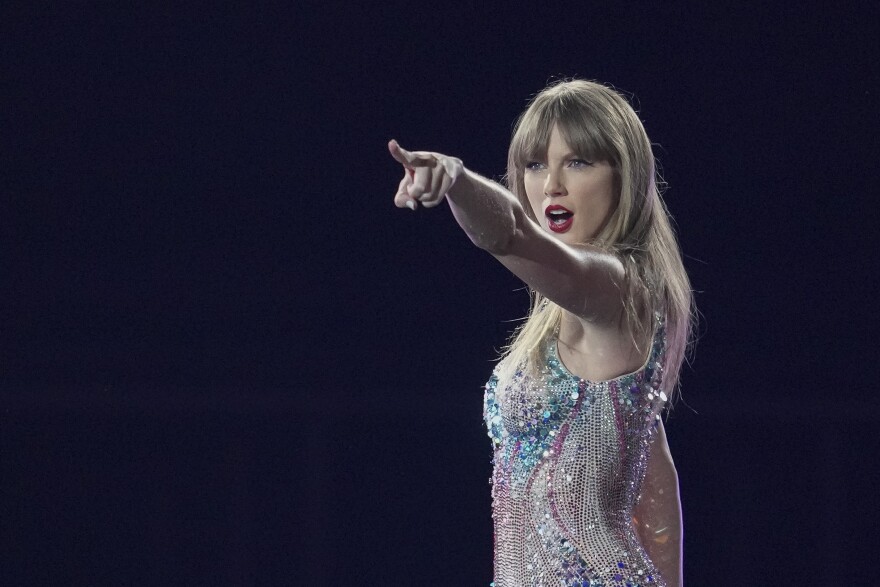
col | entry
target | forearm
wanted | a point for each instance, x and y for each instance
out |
(485, 210)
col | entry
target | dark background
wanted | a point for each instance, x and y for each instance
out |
(228, 359)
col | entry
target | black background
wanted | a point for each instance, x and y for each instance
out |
(228, 359)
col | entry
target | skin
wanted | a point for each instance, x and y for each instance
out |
(582, 279)
(592, 349)
(657, 516)
(585, 187)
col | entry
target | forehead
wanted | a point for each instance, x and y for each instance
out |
(552, 128)
(557, 143)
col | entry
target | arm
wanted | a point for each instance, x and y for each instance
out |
(657, 516)
(582, 279)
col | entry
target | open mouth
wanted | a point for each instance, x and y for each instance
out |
(559, 219)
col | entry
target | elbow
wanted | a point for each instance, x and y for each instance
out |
(494, 244)
(501, 240)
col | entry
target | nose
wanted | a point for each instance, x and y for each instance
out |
(553, 185)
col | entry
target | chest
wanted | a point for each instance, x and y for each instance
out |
(599, 356)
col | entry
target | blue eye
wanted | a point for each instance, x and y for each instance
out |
(534, 166)
(579, 163)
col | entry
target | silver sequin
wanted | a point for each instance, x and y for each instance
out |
(570, 458)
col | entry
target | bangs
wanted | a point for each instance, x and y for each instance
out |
(532, 137)
(577, 126)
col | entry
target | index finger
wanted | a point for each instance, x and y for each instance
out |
(407, 159)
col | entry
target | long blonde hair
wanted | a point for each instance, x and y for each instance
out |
(599, 124)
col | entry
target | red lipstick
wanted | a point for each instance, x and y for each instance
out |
(559, 218)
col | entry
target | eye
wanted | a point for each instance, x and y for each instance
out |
(534, 166)
(579, 163)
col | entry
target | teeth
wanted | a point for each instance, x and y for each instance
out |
(557, 212)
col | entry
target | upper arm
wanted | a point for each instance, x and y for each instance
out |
(583, 279)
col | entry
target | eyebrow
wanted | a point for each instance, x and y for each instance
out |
(542, 153)
(569, 155)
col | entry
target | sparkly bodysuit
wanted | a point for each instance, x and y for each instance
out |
(569, 459)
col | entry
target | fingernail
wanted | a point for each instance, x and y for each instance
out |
(410, 204)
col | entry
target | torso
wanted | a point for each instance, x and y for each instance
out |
(569, 460)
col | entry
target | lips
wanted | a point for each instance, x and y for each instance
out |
(559, 218)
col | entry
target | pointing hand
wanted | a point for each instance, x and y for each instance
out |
(427, 176)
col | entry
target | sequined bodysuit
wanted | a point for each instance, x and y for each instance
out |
(569, 460)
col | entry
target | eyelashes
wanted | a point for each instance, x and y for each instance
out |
(580, 163)
(576, 163)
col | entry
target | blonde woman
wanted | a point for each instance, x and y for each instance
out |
(584, 490)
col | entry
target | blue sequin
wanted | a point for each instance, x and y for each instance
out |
(537, 424)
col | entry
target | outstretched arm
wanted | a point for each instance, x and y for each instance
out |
(582, 279)
(657, 516)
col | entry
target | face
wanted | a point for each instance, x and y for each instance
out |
(572, 198)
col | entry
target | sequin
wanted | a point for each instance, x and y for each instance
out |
(561, 516)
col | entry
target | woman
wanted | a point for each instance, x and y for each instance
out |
(585, 491)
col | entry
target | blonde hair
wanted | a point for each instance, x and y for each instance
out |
(600, 125)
